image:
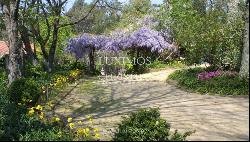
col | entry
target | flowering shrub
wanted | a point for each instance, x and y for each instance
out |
(58, 81)
(74, 74)
(24, 91)
(77, 129)
(207, 75)
(227, 83)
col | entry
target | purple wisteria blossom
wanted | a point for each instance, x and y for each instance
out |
(146, 38)
(142, 38)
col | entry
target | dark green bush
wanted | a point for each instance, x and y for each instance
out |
(223, 85)
(34, 71)
(3, 81)
(23, 90)
(51, 134)
(15, 124)
(146, 125)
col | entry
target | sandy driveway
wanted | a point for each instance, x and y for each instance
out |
(213, 117)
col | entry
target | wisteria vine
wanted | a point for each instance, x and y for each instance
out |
(142, 38)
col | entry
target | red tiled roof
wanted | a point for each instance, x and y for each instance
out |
(4, 49)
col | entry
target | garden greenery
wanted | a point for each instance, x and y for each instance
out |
(210, 34)
(146, 125)
(212, 82)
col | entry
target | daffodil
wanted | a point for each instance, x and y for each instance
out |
(70, 119)
(50, 104)
(39, 107)
(80, 122)
(97, 136)
(31, 111)
(57, 119)
(90, 118)
(80, 131)
(71, 125)
(86, 131)
(96, 130)
(41, 116)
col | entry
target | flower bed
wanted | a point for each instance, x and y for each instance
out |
(212, 82)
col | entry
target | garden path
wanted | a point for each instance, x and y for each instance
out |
(212, 117)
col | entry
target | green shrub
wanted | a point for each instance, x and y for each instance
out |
(223, 85)
(146, 125)
(157, 64)
(15, 124)
(52, 134)
(3, 81)
(25, 91)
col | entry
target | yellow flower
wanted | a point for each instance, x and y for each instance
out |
(90, 118)
(71, 125)
(97, 136)
(55, 119)
(96, 130)
(50, 104)
(80, 131)
(41, 116)
(39, 107)
(70, 119)
(86, 131)
(80, 122)
(31, 111)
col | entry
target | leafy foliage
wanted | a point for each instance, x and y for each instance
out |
(205, 31)
(146, 125)
(15, 124)
(100, 20)
(24, 91)
(224, 84)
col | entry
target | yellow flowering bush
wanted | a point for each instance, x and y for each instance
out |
(74, 74)
(59, 81)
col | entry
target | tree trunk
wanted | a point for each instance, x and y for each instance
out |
(27, 46)
(244, 70)
(10, 9)
(92, 61)
(52, 50)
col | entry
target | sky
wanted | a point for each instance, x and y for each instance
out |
(70, 3)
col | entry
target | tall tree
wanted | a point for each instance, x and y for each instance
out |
(50, 15)
(102, 18)
(244, 70)
(10, 11)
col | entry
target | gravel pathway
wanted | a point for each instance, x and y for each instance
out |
(212, 117)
